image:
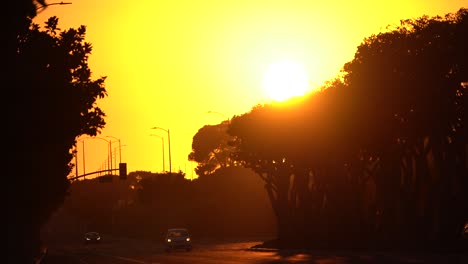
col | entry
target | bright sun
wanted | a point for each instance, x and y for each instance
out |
(285, 79)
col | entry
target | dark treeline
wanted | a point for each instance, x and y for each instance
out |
(229, 203)
(50, 101)
(377, 157)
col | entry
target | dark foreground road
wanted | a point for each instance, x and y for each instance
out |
(229, 252)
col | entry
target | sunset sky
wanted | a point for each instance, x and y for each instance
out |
(170, 62)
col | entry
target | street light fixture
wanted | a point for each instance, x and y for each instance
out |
(162, 140)
(109, 152)
(218, 113)
(115, 155)
(58, 3)
(76, 157)
(84, 168)
(120, 148)
(169, 144)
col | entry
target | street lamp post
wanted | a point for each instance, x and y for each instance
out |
(162, 142)
(109, 152)
(120, 155)
(76, 158)
(46, 5)
(110, 156)
(218, 113)
(169, 144)
(84, 168)
(120, 148)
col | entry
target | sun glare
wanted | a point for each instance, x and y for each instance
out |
(285, 79)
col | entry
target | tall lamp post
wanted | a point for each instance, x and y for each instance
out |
(169, 144)
(109, 152)
(76, 157)
(120, 148)
(84, 168)
(162, 141)
(46, 5)
(218, 113)
(115, 155)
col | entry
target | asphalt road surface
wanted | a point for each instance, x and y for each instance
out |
(124, 251)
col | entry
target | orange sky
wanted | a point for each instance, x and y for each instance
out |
(170, 62)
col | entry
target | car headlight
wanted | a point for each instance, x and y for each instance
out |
(169, 240)
(188, 239)
(88, 238)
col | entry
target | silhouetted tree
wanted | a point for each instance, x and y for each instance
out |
(18, 18)
(52, 101)
(211, 149)
(299, 150)
(379, 153)
(410, 84)
(229, 202)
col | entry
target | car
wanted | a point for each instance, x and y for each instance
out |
(178, 238)
(92, 238)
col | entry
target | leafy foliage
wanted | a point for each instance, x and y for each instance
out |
(52, 101)
(211, 149)
(379, 154)
(230, 202)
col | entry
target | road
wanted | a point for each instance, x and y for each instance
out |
(227, 252)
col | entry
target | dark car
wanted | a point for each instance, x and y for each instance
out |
(178, 238)
(92, 237)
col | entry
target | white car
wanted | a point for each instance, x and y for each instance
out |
(178, 238)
